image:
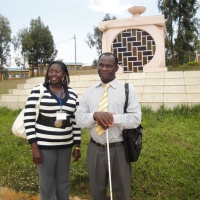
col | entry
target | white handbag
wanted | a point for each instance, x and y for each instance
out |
(18, 128)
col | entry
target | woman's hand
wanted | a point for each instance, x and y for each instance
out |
(36, 154)
(76, 153)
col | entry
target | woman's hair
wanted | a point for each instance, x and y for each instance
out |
(62, 65)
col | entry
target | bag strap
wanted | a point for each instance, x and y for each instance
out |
(126, 102)
(126, 95)
(41, 91)
(41, 95)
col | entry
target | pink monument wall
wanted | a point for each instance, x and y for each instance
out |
(139, 42)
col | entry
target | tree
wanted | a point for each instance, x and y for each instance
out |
(36, 43)
(180, 16)
(5, 39)
(168, 8)
(95, 39)
(94, 63)
(187, 33)
(22, 43)
(43, 49)
(198, 47)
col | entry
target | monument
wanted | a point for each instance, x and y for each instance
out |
(138, 42)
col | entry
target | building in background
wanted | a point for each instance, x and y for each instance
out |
(32, 71)
(14, 73)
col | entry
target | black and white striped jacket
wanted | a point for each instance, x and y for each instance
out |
(50, 137)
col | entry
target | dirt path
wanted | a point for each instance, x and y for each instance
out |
(8, 194)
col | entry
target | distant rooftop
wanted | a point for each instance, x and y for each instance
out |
(73, 63)
(15, 69)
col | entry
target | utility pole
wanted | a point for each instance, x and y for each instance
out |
(75, 50)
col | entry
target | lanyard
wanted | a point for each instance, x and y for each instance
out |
(59, 95)
(60, 100)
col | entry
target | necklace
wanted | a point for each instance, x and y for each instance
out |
(58, 94)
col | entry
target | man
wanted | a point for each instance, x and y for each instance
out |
(89, 116)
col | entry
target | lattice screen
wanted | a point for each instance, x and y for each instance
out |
(134, 49)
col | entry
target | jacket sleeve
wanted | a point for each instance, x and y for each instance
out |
(75, 128)
(30, 114)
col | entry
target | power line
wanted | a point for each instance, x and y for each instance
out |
(65, 41)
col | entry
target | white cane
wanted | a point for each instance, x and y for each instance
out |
(109, 170)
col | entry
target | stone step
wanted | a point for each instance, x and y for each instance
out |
(152, 88)
(171, 89)
(169, 83)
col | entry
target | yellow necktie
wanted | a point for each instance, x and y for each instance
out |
(103, 107)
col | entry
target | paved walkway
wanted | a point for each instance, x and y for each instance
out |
(8, 194)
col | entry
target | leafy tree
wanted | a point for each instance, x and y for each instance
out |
(94, 63)
(22, 42)
(168, 8)
(182, 28)
(5, 39)
(198, 47)
(95, 39)
(36, 43)
(43, 48)
(187, 32)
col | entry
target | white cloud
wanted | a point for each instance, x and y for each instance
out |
(108, 6)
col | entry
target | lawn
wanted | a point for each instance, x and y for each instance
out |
(168, 168)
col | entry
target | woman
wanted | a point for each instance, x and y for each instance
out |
(54, 133)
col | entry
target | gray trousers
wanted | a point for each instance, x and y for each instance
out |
(97, 163)
(54, 174)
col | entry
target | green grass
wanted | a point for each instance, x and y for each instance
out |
(168, 168)
(184, 67)
(17, 170)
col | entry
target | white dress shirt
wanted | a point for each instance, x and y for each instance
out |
(116, 100)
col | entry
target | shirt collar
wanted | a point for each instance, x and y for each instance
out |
(112, 83)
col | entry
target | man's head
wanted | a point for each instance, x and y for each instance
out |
(108, 66)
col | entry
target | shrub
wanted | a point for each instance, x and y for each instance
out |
(193, 63)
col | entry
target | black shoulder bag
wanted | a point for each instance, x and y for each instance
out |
(132, 137)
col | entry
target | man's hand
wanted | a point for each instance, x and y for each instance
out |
(104, 119)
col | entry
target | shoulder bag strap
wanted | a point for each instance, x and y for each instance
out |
(126, 102)
(41, 95)
(126, 95)
(37, 106)
(41, 91)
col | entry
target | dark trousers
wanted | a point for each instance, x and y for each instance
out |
(97, 163)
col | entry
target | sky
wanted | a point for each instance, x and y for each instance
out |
(69, 18)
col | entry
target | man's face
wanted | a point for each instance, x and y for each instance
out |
(107, 68)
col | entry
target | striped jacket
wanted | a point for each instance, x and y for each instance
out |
(50, 137)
